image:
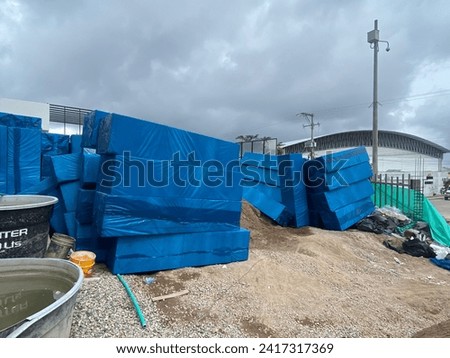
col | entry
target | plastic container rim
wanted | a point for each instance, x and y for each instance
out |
(21, 202)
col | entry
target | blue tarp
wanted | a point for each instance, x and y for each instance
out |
(339, 189)
(54, 144)
(319, 181)
(163, 252)
(445, 264)
(57, 221)
(66, 167)
(69, 192)
(85, 206)
(24, 159)
(145, 139)
(335, 199)
(20, 121)
(155, 178)
(3, 159)
(75, 143)
(347, 216)
(131, 216)
(90, 166)
(71, 224)
(274, 185)
(91, 127)
(273, 209)
(44, 187)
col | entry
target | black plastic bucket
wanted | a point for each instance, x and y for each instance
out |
(24, 225)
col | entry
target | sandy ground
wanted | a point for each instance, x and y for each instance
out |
(312, 283)
(303, 282)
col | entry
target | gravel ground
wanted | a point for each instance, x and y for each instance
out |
(297, 283)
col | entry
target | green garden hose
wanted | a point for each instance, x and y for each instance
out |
(133, 299)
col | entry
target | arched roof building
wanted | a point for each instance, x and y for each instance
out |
(386, 139)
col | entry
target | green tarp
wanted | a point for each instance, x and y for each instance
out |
(414, 205)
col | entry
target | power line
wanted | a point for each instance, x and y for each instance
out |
(443, 92)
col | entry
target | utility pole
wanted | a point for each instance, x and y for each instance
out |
(373, 37)
(311, 144)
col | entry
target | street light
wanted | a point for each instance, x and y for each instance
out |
(373, 37)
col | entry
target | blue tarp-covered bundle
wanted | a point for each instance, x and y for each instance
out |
(19, 121)
(339, 188)
(91, 125)
(20, 153)
(52, 144)
(160, 252)
(75, 143)
(165, 198)
(274, 185)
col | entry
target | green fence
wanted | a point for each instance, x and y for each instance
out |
(413, 204)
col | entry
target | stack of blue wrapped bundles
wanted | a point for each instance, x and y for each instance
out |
(52, 144)
(339, 188)
(20, 152)
(163, 198)
(274, 185)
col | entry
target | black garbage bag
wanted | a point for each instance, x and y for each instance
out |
(395, 243)
(418, 248)
(368, 225)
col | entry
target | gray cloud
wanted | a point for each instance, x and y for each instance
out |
(229, 68)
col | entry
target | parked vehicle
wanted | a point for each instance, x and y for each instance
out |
(447, 194)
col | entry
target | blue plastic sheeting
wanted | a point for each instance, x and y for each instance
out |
(317, 180)
(163, 252)
(269, 177)
(90, 128)
(71, 224)
(19, 121)
(347, 216)
(130, 216)
(293, 191)
(85, 206)
(3, 159)
(141, 177)
(44, 187)
(85, 232)
(335, 199)
(344, 159)
(274, 185)
(66, 167)
(339, 190)
(69, 192)
(75, 143)
(96, 245)
(445, 264)
(145, 139)
(273, 209)
(90, 166)
(54, 144)
(24, 159)
(273, 192)
(47, 167)
(11, 162)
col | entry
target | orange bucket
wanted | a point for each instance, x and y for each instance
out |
(84, 259)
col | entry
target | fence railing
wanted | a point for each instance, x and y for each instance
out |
(402, 192)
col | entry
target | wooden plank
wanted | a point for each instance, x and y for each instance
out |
(172, 295)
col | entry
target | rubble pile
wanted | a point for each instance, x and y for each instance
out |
(405, 236)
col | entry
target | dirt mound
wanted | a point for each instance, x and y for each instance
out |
(440, 330)
(310, 282)
(303, 282)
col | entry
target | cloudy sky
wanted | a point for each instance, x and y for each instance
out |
(226, 68)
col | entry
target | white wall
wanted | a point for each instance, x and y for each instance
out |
(27, 108)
